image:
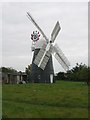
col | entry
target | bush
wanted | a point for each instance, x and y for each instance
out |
(78, 73)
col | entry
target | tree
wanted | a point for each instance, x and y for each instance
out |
(7, 70)
(79, 73)
(28, 69)
(28, 72)
(60, 76)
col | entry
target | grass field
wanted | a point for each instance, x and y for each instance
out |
(0, 101)
(59, 100)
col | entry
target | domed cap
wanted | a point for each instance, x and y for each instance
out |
(40, 43)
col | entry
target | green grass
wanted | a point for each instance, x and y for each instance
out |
(59, 100)
(0, 101)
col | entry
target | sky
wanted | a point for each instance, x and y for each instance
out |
(16, 30)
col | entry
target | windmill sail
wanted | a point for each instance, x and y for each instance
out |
(55, 31)
(43, 56)
(61, 57)
(31, 18)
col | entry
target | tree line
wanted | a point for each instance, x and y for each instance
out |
(80, 72)
(8, 70)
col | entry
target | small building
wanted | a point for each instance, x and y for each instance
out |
(14, 78)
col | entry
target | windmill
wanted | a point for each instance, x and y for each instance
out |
(42, 66)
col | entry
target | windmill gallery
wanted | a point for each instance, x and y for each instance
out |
(42, 66)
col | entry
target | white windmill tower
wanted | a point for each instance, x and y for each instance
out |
(42, 66)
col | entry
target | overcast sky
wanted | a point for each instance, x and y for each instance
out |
(16, 30)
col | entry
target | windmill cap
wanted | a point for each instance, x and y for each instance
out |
(40, 43)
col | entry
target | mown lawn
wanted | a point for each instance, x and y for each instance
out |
(0, 101)
(60, 100)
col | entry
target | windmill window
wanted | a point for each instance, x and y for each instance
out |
(39, 77)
